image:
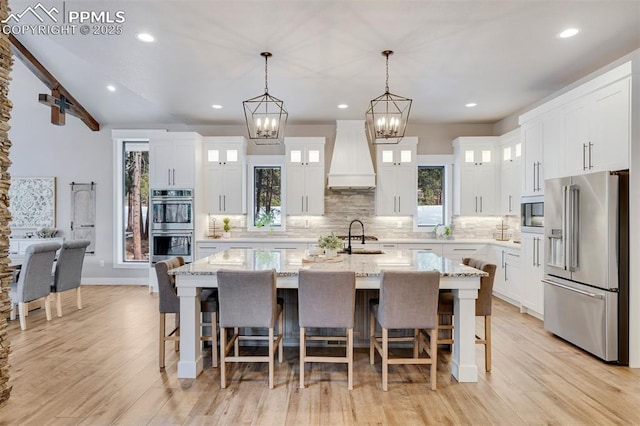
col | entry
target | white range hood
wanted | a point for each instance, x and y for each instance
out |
(351, 165)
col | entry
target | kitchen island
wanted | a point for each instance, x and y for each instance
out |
(462, 280)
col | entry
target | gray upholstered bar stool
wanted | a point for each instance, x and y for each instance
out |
(248, 299)
(483, 306)
(408, 300)
(326, 299)
(169, 303)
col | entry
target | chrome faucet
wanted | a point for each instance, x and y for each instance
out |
(348, 249)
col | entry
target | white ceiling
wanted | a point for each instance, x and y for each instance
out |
(504, 55)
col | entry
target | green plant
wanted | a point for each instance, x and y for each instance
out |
(226, 226)
(331, 242)
(265, 219)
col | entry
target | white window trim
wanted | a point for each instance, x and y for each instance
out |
(266, 161)
(438, 160)
(119, 139)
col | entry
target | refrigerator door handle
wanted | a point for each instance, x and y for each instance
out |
(565, 226)
(574, 228)
(575, 290)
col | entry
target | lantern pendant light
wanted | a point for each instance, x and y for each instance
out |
(388, 114)
(265, 115)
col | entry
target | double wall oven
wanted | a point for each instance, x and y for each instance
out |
(172, 224)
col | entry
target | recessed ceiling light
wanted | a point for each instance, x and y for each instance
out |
(111, 88)
(471, 105)
(216, 106)
(343, 106)
(569, 32)
(146, 37)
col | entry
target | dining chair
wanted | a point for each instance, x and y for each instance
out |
(483, 306)
(68, 272)
(326, 299)
(408, 300)
(169, 303)
(33, 281)
(248, 299)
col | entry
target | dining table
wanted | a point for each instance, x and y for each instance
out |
(462, 280)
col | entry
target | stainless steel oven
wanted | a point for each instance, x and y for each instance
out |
(532, 214)
(171, 209)
(167, 244)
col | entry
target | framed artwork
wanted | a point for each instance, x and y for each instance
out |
(32, 202)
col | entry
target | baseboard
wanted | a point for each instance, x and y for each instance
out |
(114, 281)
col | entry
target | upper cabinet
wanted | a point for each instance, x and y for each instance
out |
(585, 130)
(476, 176)
(597, 130)
(397, 185)
(305, 175)
(172, 160)
(225, 175)
(511, 152)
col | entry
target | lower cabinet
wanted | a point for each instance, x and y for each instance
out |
(532, 274)
(458, 251)
(507, 283)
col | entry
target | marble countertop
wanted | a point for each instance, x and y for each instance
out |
(288, 262)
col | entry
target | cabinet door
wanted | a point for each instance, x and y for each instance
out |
(406, 190)
(552, 149)
(214, 189)
(468, 197)
(532, 179)
(486, 189)
(232, 190)
(513, 276)
(576, 136)
(510, 185)
(314, 190)
(532, 273)
(610, 131)
(386, 198)
(182, 167)
(496, 256)
(160, 161)
(296, 190)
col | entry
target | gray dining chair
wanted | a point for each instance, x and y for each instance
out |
(483, 307)
(248, 299)
(169, 303)
(326, 299)
(408, 300)
(33, 281)
(68, 272)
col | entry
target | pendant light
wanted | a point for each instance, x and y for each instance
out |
(386, 118)
(265, 115)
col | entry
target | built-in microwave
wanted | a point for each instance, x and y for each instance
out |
(532, 214)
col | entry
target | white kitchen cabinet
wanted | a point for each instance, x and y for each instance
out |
(458, 251)
(552, 152)
(225, 175)
(397, 185)
(476, 176)
(532, 273)
(305, 175)
(207, 248)
(428, 247)
(597, 130)
(532, 163)
(172, 162)
(507, 281)
(510, 172)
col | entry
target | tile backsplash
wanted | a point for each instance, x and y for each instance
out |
(341, 207)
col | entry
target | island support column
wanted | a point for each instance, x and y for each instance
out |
(190, 364)
(463, 364)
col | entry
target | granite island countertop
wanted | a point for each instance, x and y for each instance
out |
(287, 263)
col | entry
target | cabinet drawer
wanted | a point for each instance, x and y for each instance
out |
(464, 248)
(432, 248)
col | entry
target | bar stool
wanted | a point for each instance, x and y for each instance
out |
(326, 299)
(248, 299)
(483, 306)
(408, 300)
(169, 303)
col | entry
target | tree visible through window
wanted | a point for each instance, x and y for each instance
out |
(136, 201)
(430, 196)
(267, 203)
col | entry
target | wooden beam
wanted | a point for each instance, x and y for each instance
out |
(53, 84)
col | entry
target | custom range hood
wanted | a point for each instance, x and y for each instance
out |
(351, 165)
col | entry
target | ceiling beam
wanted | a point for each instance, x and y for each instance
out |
(57, 90)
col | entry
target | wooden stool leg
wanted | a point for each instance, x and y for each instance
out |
(236, 345)
(487, 345)
(59, 304)
(79, 298)
(303, 354)
(372, 336)
(416, 344)
(434, 356)
(281, 337)
(162, 340)
(271, 357)
(22, 313)
(47, 307)
(385, 358)
(350, 358)
(223, 345)
(214, 339)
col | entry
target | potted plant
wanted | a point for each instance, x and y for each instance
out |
(226, 227)
(331, 244)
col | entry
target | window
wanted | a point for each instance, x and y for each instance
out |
(431, 196)
(135, 202)
(266, 201)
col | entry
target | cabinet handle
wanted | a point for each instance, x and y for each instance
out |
(505, 272)
(174, 177)
(224, 201)
(302, 203)
(533, 253)
(502, 262)
(538, 253)
(590, 146)
(510, 210)
(481, 204)
(219, 202)
(584, 146)
(169, 177)
(399, 209)
(534, 177)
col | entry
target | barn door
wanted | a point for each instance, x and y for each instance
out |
(83, 213)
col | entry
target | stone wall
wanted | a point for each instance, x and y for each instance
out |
(6, 63)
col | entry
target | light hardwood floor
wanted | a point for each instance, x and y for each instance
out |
(100, 366)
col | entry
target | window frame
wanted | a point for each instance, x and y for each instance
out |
(254, 161)
(437, 160)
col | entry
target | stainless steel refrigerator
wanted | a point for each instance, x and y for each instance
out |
(586, 270)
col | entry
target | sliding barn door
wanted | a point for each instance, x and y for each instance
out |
(83, 213)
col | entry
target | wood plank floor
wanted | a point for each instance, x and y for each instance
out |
(100, 366)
